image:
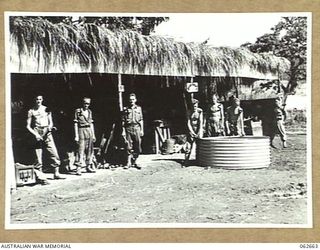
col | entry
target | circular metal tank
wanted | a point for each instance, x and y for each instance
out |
(234, 152)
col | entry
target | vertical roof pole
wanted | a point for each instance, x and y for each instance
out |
(120, 92)
(191, 94)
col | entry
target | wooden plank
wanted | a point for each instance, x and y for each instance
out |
(120, 92)
(162, 139)
(110, 138)
(156, 137)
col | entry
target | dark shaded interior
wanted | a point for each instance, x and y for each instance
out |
(162, 98)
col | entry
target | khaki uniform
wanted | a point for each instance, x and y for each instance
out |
(132, 116)
(214, 121)
(40, 123)
(195, 122)
(278, 126)
(85, 147)
(233, 120)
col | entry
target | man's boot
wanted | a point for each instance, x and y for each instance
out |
(56, 174)
(134, 164)
(91, 168)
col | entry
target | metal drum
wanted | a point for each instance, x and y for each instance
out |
(234, 152)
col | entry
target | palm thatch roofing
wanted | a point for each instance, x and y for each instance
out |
(39, 46)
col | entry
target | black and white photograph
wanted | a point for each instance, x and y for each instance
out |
(119, 120)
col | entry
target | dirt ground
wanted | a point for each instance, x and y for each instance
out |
(163, 192)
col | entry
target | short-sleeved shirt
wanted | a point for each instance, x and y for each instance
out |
(82, 119)
(233, 114)
(195, 118)
(132, 115)
(39, 117)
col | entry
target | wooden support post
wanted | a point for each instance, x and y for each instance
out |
(120, 93)
(161, 134)
(191, 94)
(156, 137)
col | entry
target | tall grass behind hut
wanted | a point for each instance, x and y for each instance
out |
(39, 46)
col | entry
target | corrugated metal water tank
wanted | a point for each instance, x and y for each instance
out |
(234, 152)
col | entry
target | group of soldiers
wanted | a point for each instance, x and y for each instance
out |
(40, 125)
(216, 122)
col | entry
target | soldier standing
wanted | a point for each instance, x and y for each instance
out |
(195, 121)
(234, 119)
(195, 126)
(84, 136)
(133, 130)
(215, 119)
(278, 126)
(40, 124)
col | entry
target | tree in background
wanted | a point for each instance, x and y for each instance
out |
(288, 39)
(142, 25)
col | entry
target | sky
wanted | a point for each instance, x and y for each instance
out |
(231, 29)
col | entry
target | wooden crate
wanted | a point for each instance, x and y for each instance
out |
(257, 128)
(24, 174)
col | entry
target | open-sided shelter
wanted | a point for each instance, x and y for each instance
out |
(67, 61)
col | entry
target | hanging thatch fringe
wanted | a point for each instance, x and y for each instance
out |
(39, 46)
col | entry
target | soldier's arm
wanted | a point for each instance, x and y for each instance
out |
(204, 120)
(93, 133)
(141, 123)
(241, 123)
(222, 120)
(226, 121)
(190, 127)
(200, 133)
(76, 127)
(222, 113)
(50, 120)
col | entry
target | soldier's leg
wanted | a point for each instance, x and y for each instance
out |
(220, 129)
(272, 135)
(53, 155)
(209, 129)
(81, 151)
(89, 155)
(38, 150)
(38, 157)
(40, 177)
(129, 138)
(282, 133)
(136, 143)
(190, 142)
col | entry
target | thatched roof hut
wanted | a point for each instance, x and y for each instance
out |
(39, 46)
